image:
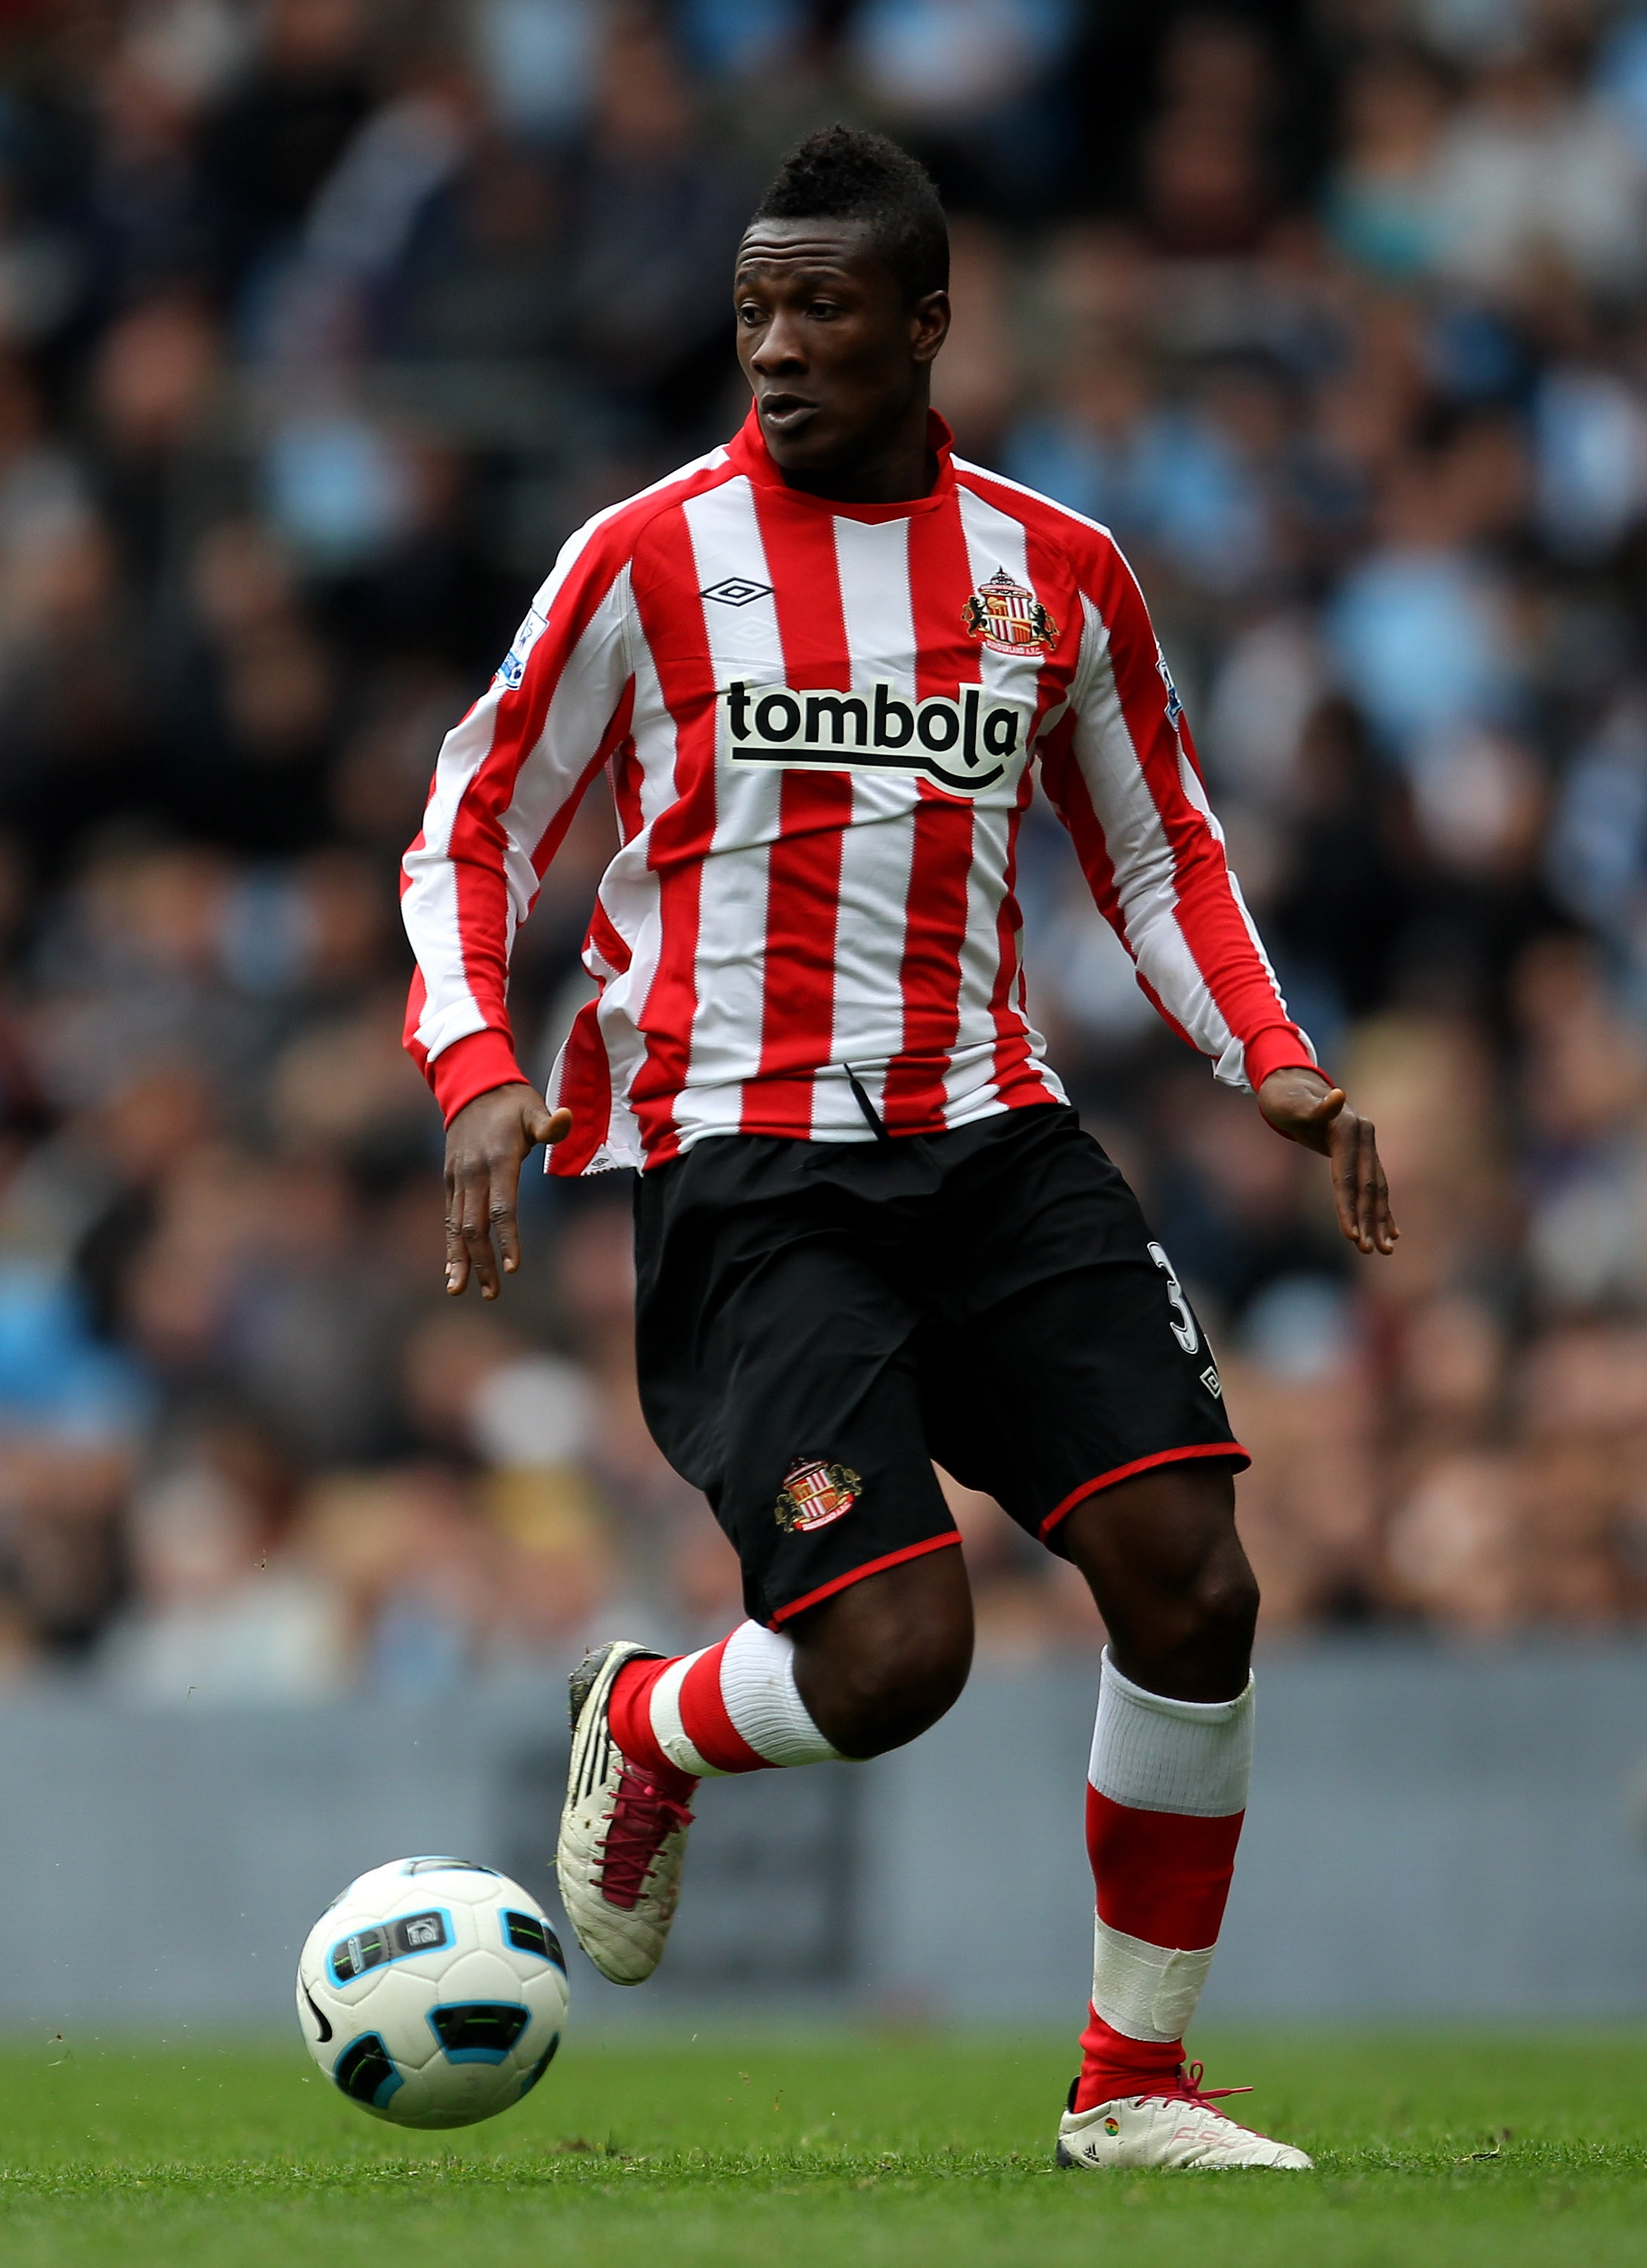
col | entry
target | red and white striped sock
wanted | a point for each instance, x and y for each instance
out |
(1165, 1799)
(730, 1708)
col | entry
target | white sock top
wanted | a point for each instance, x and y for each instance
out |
(1152, 1753)
(758, 1686)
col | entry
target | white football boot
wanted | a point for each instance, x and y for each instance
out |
(623, 1839)
(1183, 2128)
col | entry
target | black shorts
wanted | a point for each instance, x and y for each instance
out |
(817, 1321)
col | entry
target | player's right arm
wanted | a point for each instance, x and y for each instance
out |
(509, 777)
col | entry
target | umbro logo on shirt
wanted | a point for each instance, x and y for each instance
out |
(965, 745)
(737, 591)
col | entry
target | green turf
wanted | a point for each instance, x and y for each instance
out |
(805, 2150)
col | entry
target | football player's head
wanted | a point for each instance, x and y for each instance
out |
(841, 300)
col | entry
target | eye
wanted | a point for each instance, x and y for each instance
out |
(822, 310)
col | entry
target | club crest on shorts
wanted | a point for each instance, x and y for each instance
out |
(1008, 617)
(814, 1494)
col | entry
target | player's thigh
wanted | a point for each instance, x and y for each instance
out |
(778, 1374)
(1165, 1542)
(824, 1475)
(1079, 1382)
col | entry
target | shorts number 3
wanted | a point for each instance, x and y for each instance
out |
(1184, 1324)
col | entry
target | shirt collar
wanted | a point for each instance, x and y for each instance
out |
(749, 452)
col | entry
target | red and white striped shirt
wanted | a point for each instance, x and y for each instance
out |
(819, 721)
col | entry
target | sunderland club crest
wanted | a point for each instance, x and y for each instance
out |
(1008, 617)
(814, 1494)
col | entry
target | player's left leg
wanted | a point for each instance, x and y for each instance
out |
(1067, 1376)
(1167, 1795)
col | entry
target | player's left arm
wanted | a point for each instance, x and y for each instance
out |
(1121, 771)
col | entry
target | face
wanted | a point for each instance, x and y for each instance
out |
(836, 357)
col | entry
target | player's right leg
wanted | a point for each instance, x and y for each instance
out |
(777, 1375)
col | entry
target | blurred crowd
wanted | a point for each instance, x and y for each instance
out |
(323, 321)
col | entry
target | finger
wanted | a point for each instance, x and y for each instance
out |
(477, 1238)
(1342, 1157)
(1353, 1187)
(504, 1227)
(1377, 1197)
(1389, 1236)
(1387, 1233)
(1366, 1188)
(457, 1258)
(542, 1124)
(1380, 1234)
(1311, 1119)
(1308, 1119)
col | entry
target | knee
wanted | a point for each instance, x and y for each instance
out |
(1221, 1606)
(880, 1701)
(1171, 1580)
(873, 1679)
(1194, 1640)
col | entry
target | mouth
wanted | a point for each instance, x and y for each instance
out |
(786, 413)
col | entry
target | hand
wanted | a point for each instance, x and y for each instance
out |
(486, 1144)
(1300, 1104)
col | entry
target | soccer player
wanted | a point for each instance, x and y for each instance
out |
(821, 667)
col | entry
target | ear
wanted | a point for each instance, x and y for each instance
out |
(929, 325)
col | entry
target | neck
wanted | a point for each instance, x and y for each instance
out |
(896, 467)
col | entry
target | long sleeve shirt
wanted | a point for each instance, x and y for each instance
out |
(821, 723)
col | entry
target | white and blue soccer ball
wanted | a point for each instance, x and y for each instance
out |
(432, 1993)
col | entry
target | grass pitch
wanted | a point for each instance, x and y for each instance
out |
(825, 2151)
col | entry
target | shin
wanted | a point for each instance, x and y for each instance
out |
(862, 1673)
(1172, 1754)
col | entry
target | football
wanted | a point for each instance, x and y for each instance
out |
(432, 1991)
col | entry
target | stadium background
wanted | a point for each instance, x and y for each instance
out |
(323, 323)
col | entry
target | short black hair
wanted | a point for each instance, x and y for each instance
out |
(840, 175)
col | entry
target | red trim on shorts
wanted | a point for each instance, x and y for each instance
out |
(870, 1567)
(1232, 1449)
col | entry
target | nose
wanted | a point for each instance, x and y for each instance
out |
(780, 349)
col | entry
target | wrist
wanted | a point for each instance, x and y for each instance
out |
(472, 1066)
(1277, 1048)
